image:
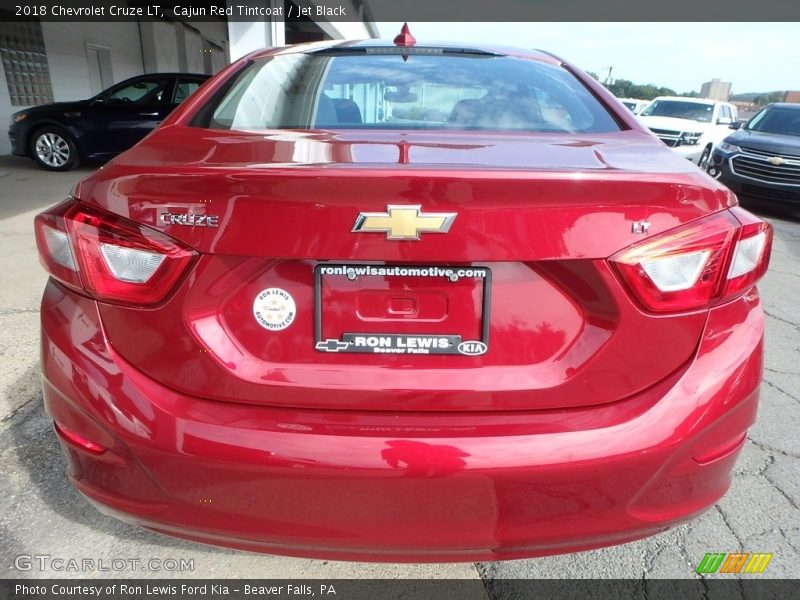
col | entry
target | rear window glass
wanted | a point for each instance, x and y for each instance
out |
(336, 90)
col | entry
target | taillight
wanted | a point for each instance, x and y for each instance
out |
(55, 248)
(705, 262)
(751, 253)
(109, 257)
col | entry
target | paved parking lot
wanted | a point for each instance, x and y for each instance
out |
(41, 514)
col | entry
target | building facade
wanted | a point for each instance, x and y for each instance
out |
(716, 90)
(792, 96)
(44, 62)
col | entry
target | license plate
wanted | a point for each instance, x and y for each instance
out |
(401, 309)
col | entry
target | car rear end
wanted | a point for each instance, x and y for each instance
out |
(404, 336)
(18, 130)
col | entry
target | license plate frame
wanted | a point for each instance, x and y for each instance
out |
(400, 343)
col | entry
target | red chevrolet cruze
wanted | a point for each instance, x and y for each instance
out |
(381, 301)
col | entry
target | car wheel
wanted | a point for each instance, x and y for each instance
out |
(53, 149)
(703, 162)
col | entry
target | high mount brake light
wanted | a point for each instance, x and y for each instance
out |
(694, 266)
(109, 257)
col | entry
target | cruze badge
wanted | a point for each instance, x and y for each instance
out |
(190, 219)
(403, 222)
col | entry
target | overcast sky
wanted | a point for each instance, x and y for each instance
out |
(755, 57)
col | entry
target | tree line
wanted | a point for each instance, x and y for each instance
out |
(622, 88)
(764, 99)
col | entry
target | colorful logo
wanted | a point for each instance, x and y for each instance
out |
(742, 562)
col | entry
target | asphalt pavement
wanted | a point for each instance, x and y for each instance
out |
(41, 514)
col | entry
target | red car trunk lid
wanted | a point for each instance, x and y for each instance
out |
(529, 245)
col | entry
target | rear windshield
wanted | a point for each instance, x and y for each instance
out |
(336, 90)
(777, 119)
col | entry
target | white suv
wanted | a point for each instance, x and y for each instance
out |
(692, 127)
(635, 105)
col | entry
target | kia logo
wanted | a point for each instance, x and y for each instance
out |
(472, 348)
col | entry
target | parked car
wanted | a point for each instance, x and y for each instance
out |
(292, 321)
(761, 160)
(692, 127)
(634, 105)
(58, 136)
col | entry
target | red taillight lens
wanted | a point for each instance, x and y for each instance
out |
(751, 253)
(109, 257)
(123, 261)
(690, 267)
(55, 248)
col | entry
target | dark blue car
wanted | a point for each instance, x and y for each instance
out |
(59, 136)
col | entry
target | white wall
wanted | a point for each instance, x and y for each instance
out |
(215, 31)
(247, 36)
(160, 47)
(6, 110)
(193, 42)
(66, 54)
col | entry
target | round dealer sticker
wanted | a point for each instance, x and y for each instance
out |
(274, 309)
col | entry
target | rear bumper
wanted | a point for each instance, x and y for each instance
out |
(16, 136)
(402, 487)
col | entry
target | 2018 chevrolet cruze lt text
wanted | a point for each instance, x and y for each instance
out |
(401, 302)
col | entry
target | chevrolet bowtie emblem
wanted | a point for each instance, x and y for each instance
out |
(403, 222)
(776, 160)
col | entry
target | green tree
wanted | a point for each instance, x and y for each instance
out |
(775, 97)
(620, 88)
(623, 88)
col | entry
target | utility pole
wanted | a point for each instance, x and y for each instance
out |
(608, 77)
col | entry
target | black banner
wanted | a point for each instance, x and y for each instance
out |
(402, 10)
